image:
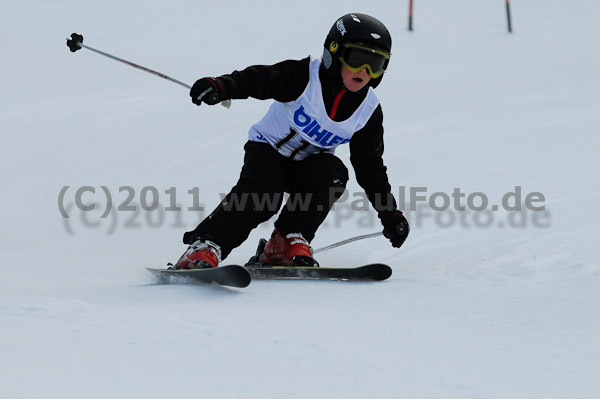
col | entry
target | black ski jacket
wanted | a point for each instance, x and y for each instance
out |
(286, 81)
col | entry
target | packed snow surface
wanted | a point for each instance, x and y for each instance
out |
(495, 303)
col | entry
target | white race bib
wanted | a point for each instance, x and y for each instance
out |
(302, 127)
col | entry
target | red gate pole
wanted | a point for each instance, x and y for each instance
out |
(410, 15)
(508, 16)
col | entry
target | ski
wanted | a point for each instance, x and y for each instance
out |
(229, 275)
(371, 272)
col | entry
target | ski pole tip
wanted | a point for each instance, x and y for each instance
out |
(74, 42)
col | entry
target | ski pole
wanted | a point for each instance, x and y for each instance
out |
(508, 16)
(76, 43)
(347, 241)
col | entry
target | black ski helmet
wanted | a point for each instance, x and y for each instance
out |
(355, 28)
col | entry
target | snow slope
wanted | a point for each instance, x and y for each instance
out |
(480, 305)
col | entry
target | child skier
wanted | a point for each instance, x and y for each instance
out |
(319, 104)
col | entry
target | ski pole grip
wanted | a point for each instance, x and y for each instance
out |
(214, 98)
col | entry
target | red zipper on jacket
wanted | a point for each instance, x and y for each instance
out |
(336, 102)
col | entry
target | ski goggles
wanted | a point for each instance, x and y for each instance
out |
(356, 58)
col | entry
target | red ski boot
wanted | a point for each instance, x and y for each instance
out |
(287, 250)
(200, 255)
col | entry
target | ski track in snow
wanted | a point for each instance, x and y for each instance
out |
(509, 310)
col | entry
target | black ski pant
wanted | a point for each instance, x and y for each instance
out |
(314, 184)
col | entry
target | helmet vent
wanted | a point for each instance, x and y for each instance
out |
(355, 18)
(375, 36)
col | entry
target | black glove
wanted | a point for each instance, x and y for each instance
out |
(395, 227)
(208, 90)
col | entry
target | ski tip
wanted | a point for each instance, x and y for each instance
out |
(229, 275)
(379, 271)
(240, 277)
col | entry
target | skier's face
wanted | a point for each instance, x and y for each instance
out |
(354, 81)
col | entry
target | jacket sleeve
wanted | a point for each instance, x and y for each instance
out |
(284, 81)
(366, 150)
